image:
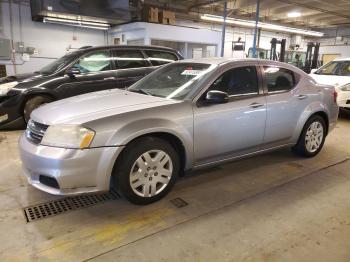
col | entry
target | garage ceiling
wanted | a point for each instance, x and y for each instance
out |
(314, 13)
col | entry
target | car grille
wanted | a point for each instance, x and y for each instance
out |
(35, 131)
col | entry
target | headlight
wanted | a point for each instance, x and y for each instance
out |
(68, 136)
(5, 88)
(345, 87)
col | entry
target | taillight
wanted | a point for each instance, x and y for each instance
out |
(335, 96)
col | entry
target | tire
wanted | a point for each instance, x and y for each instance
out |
(312, 137)
(139, 177)
(34, 103)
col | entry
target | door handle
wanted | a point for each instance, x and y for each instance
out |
(256, 105)
(109, 78)
(301, 97)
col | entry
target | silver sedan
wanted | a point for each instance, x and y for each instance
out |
(185, 115)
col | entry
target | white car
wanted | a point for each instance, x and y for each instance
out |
(336, 73)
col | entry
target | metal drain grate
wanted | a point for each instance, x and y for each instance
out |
(179, 202)
(56, 207)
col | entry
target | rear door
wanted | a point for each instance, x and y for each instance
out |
(97, 72)
(132, 66)
(287, 99)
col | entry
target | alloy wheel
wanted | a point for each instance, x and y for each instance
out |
(151, 173)
(314, 137)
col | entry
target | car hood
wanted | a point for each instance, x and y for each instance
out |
(334, 80)
(17, 78)
(89, 107)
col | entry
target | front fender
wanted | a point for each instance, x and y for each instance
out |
(40, 91)
(142, 127)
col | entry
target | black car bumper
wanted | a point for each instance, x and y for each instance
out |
(11, 108)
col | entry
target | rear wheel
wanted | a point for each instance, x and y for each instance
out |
(34, 103)
(146, 170)
(312, 137)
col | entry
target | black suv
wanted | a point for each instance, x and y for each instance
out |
(82, 71)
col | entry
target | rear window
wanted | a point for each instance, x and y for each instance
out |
(158, 58)
(279, 79)
(130, 59)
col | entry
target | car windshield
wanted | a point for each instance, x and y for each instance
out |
(58, 64)
(173, 81)
(340, 68)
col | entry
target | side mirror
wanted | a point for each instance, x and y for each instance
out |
(313, 71)
(73, 71)
(216, 97)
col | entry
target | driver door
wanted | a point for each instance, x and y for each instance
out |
(97, 72)
(223, 131)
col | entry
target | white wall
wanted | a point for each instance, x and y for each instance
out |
(246, 34)
(51, 41)
(198, 33)
(343, 50)
(179, 34)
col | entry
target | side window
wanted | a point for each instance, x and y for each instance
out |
(158, 58)
(238, 81)
(130, 59)
(94, 62)
(279, 79)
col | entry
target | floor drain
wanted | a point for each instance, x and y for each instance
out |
(56, 207)
(179, 202)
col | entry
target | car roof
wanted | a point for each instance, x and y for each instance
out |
(342, 59)
(220, 61)
(153, 47)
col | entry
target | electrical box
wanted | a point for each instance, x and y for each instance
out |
(5, 49)
(31, 50)
(20, 47)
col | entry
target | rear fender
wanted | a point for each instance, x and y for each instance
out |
(310, 110)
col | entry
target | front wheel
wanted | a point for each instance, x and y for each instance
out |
(34, 103)
(146, 170)
(312, 137)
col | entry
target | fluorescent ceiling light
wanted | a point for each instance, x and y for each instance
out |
(267, 26)
(79, 23)
(294, 14)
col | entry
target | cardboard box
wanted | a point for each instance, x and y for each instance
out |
(167, 17)
(150, 14)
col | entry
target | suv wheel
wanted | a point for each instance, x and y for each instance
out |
(312, 137)
(34, 103)
(146, 170)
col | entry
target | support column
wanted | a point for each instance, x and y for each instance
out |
(223, 30)
(256, 27)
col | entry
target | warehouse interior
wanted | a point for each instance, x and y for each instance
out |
(275, 206)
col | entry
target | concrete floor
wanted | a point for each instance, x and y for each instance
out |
(274, 207)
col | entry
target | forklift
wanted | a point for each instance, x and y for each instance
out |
(273, 51)
(312, 53)
(261, 53)
(306, 61)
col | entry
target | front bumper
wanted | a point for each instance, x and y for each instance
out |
(76, 171)
(11, 112)
(343, 99)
